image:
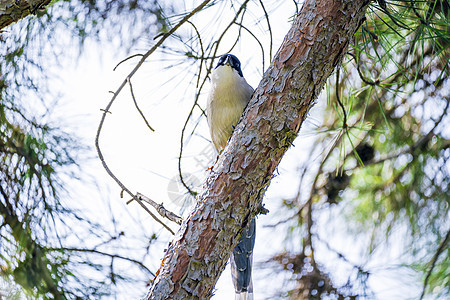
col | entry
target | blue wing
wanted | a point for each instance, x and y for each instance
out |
(241, 262)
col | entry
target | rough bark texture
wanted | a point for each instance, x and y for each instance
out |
(13, 10)
(234, 189)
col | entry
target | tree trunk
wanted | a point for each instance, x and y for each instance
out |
(13, 10)
(233, 192)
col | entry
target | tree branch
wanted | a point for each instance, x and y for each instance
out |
(160, 209)
(117, 92)
(441, 248)
(236, 184)
(137, 106)
(112, 256)
(13, 10)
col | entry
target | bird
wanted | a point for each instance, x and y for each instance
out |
(227, 99)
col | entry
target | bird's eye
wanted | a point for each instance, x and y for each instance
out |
(221, 61)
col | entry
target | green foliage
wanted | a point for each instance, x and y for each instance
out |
(9, 290)
(30, 158)
(35, 153)
(408, 182)
(391, 119)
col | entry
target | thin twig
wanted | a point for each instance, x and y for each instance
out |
(124, 60)
(412, 148)
(139, 263)
(214, 55)
(422, 20)
(270, 30)
(137, 67)
(389, 81)
(16, 110)
(430, 133)
(309, 225)
(393, 19)
(441, 248)
(366, 81)
(344, 121)
(202, 58)
(160, 209)
(257, 40)
(137, 107)
(201, 49)
(239, 31)
(282, 221)
(190, 191)
(343, 257)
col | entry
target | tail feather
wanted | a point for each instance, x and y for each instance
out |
(241, 263)
(244, 296)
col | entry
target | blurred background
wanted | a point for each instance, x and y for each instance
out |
(359, 207)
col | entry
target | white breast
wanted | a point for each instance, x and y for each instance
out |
(227, 99)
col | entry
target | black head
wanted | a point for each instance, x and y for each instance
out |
(232, 60)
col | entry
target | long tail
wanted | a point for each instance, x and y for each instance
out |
(241, 263)
(244, 296)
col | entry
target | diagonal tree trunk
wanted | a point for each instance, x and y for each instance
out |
(13, 10)
(233, 192)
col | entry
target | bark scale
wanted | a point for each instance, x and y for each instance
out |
(13, 10)
(233, 192)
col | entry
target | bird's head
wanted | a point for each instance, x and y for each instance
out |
(231, 61)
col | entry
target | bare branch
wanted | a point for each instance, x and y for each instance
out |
(344, 113)
(117, 92)
(13, 10)
(441, 249)
(422, 141)
(266, 15)
(257, 40)
(343, 257)
(137, 262)
(137, 107)
(124, 60)
(364, 79)
(160, 209)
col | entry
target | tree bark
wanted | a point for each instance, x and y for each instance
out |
(13, 10)
(233, 192)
